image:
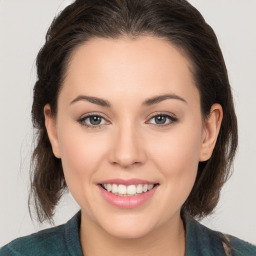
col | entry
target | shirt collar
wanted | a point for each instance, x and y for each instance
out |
(200, 240)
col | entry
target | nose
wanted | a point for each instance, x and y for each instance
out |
(127, 148)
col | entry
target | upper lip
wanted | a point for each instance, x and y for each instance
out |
(127, 181)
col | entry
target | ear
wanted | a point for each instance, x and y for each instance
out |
(50, 124)
(211, 130)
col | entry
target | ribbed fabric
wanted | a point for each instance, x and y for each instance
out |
(202, 241)
(64, 240)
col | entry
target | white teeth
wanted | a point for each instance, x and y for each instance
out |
(114, 189)
(150, 186)
(139, 189)
(130, 190)
(122, 190)
(109, 187)
(145, 188)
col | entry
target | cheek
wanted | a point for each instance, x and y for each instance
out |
(176, 155)
(176, 150)
(80, 154)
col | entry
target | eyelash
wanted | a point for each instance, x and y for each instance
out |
(82, 120)
(172, 119)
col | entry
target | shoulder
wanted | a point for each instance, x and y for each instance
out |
(240, 247)
(203, 241)
(61, 240)
(40, 243)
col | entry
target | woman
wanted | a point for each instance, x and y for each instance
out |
(135, 118)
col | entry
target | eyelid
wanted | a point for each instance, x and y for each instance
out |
(85, 116)
(162, 114)
(170, 116)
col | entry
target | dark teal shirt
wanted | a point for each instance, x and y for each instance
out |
(64, 241)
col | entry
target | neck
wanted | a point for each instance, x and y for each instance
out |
(168, 239)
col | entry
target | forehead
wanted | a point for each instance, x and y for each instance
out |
(146, 64)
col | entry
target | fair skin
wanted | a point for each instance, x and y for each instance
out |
(158, 141)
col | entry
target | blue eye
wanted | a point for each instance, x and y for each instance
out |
(163, 119)
(96, 121)
(92, 121)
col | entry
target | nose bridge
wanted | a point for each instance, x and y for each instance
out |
(127, 145)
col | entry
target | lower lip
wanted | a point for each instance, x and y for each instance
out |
(127, 201)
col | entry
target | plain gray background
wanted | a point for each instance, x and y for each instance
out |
(23, 24)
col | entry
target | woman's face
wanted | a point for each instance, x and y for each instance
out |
(129, 119)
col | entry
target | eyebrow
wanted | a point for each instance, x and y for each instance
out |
(147, 102)
(94, 100)
(160, 98)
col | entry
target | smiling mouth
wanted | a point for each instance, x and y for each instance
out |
(130, 190)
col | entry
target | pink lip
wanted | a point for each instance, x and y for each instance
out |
(126, 182)
(126, 201)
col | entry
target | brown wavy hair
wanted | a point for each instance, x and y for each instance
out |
(178, 22)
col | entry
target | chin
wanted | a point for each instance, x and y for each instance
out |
(129, 233)
(128, 227)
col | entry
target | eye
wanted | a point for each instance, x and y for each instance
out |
(162, 120)
(93, 121)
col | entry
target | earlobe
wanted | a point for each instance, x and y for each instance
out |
(211, 131)
(50, 124)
